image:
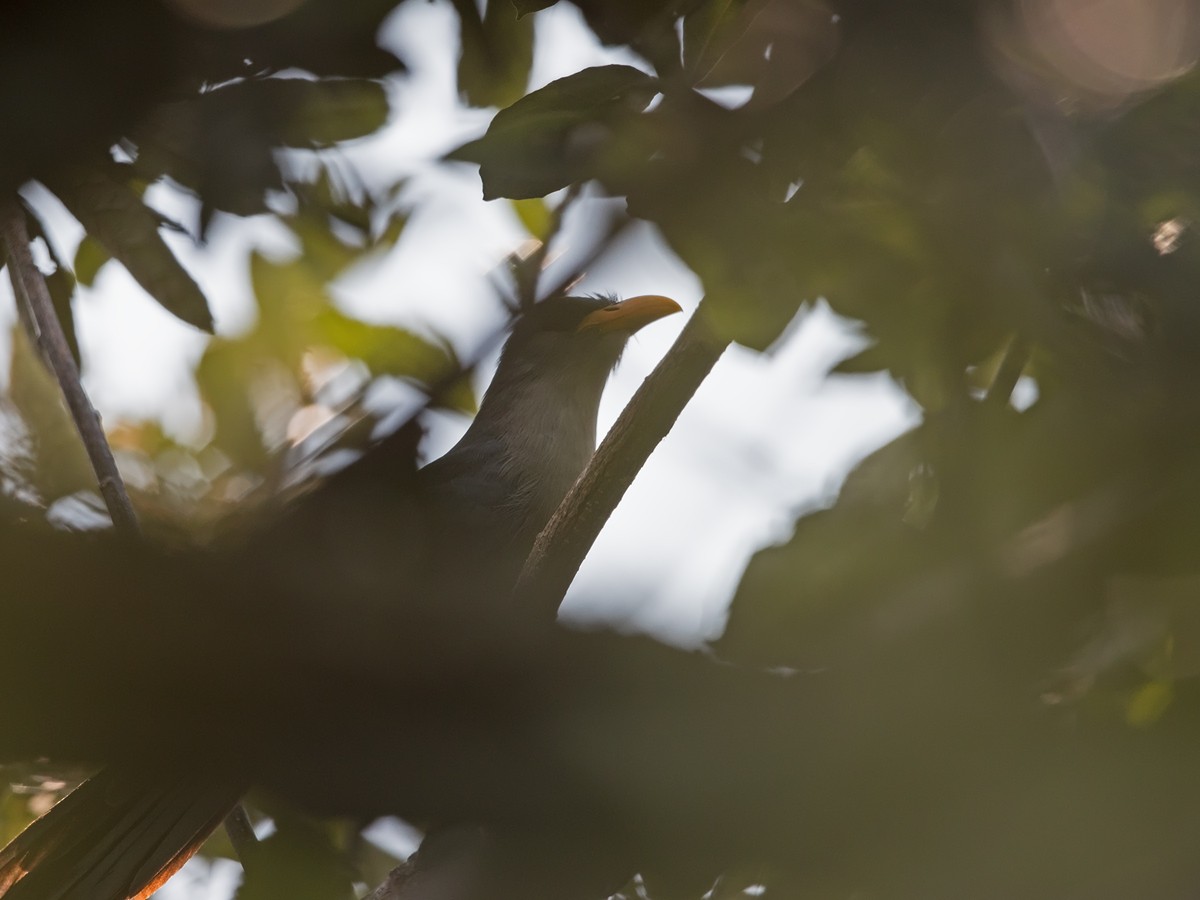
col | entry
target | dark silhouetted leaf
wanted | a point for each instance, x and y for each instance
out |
(525, 7)
(769, 45)
(556, 136)
(329, 111)
(115, 216)
(497, 51)
(222, 143)
(299, 862)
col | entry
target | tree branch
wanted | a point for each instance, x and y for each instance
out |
(566, 539)
(1016, 357)
(31, 291)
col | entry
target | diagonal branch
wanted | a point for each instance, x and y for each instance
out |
(31, 291)
(566, 539)
(1016, 358)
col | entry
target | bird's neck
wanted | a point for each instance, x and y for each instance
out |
(545, 425)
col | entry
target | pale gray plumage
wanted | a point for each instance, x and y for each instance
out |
(535, 431)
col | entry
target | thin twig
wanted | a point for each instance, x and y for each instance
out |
(1016, 357)
(241, 832)
(527, 273)
(394, 885)
(564, 542)
(29, 286)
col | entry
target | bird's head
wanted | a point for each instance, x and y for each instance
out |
(543, 401)
(576, 339)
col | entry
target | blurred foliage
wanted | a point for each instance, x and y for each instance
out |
(554, 136)
(937, 172)
(497, 52)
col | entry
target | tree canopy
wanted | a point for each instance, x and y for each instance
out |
(972, 674)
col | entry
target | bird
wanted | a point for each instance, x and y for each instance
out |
(123, 833)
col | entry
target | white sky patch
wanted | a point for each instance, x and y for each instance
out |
(765, 436)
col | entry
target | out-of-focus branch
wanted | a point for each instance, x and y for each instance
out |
(566, 539)
(29, 286)
(528, 272)
(1016, 357)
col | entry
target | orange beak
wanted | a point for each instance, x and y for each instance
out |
(630, 315)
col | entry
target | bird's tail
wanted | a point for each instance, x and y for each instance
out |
(118, 836)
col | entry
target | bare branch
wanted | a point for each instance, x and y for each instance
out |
(527, 273)
(1016, 357)
(29, 286)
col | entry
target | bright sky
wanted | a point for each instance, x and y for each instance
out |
(765, 436)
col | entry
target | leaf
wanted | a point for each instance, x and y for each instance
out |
(701, 27)
(798, 601)
(497, 52)
(112, 212)
(60, 465)
(322, 250)
(870, 359)
(555, 136)
(390, 233)
(642, 23)
(1148, 703)
(221, 144)
(534, 216)
(525, 7)
(330, 111)
(772, 45)
(224, 375)
(298, 862)
(90, 258)
(385, 349)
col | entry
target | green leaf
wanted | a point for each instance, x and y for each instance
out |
(385, 349)
(322, 250)
(90, 258)
(457, 395)
(556, 136)
(332, 110)
(497, 52)
(224, 375)
(299, 862)
(59, 464)
(534, 216)
(113, 213)
(1148, 703)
